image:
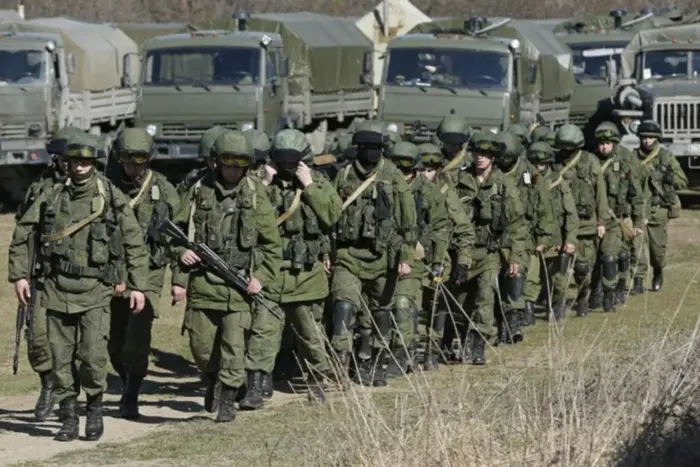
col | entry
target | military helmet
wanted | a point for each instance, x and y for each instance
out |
(394, 138)
(430, 155)
(57, 144)
(206, 142)
(289, 147)
(84, 146)
(649, 128)
(512, 147)
(261, 144)
(135, 145)
(521, 132)
(231, 148)
(569, 137)
(453, 130)
(607, 132)
(371, 133)
(405, 155)
(486, 142)
(540, 153)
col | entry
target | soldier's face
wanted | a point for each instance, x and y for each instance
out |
(430, 173)
(605, 148)
(133, 170)
(62, 163)
(541, 167)
(648, 142)
(80, 167)
(483, 161)
(232, 174)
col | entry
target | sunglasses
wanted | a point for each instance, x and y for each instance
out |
(606, 135)
(234, 160)
(405, 163)
(133, 157)
(431, 159)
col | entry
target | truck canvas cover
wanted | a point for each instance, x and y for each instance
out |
(98, 49)
(601, 23)
(142, 32)
(688, 33)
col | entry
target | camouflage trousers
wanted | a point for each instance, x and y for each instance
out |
(79, 349)
(305, 319)
(408, 299)
(586, 257)
(130, 336)
(38, 346)
(265, 338)
(557, 279)
(606, 268)
(650, 248)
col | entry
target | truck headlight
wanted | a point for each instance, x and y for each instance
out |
(634, 125)
(392, 127)
(247, 126)
(151, 129)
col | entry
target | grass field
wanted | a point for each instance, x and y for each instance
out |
(618, 389)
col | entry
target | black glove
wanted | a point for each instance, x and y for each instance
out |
(436, 270)
(460, 274)
(668, 177)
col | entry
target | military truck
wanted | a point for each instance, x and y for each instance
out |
(56, 72)
(490, 74)
(594, 41)
(660, 70)
(299, 70)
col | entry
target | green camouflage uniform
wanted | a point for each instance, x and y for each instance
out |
(82, 267)
(583, 172)
(565, 214)
(204, 152)
(522, 133)
(238, 223)
(626, 204)
(452, 135)
(305, 216)
(375, 232)
(500, 230)
(261, 151)
(660, 176)
(153, 200)
(519, 293)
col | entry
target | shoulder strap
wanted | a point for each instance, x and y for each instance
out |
(651, 156)
(444, 189)
(70, 230)
(251, 186)
(356, 194)
(135, 200)
(193, 210)
(606, 164)
(295, 204)
(455, 161)
(565, 169)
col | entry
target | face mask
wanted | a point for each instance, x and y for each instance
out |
(369, 155)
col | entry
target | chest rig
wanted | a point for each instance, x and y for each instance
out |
(151, 210)
(488, 210)
(619, 188)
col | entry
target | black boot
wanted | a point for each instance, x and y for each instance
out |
(638, 286)
(69, 420)
(658, 281)
(227, 404)
(131, 397)
(94, 427)
(44, 404)
(399, 363)
(596, 296)
(621, 292)
(529, 317)
(609, 300)
(267, 387)
(478, 348)
(122, 378)
(512, 332)
(253, 399)
(213, 392)
(582, 303)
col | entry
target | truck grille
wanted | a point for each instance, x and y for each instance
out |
(13, 130)
(677, 116)
(191, 130)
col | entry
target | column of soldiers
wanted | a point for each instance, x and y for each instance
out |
(344, 254)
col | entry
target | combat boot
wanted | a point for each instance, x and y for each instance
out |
(69, 420)
(582, 303)
(399, 363)
(609, 300)
(595, 300)
(227, 404)
(131, 397)
(637, 286)
(512, 332)
(94, 426)
(253, 399)
(529, 317)
(478, 349)
(213, 392)
(44, 404)
(658, 281)
(362, 371)
(620, 292)
(267, 386)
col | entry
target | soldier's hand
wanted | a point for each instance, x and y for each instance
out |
(540, 248)
(303, 174)
(327, 266)
(137, 300)
(601, 231)
(178, 293)
(119, 289)
(254, 286)
(404, 269)
(569, 248)
(513, 269)
(270, 173)
(460, 274)
(23, 291)
(190, 258)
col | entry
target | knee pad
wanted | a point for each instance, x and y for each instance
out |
(343, 317)
(581, 271)
(515, 287)
(382, 320)
(623, 261)
(609, 264)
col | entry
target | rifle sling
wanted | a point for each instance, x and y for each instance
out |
(565, 169)
(133, 202)
(356, 194)
(651, 156)
(295, 205)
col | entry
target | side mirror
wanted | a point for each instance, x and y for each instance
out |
(367, 63)
(70, 64)
(531, 73)
(127, 69)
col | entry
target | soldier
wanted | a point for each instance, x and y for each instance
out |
(519, 293)
(661, 177)
(498, 216)
(453, 134)
(231, 213)
(542, 133)
(261, 151)
(375, 248)
(626, 205)
(87, 230)
(153, 200)
(564, 236)
(583, 172)
(307, 206)
(38, 347)
(204, 152)
(460, 238)
(522, 133)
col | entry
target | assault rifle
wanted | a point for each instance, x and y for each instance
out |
(233, 277)
(25, 313)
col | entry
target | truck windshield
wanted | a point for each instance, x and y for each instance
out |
(202, 65)
(591, 59)
(456, 68)
(659, 64)
(22, 66)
